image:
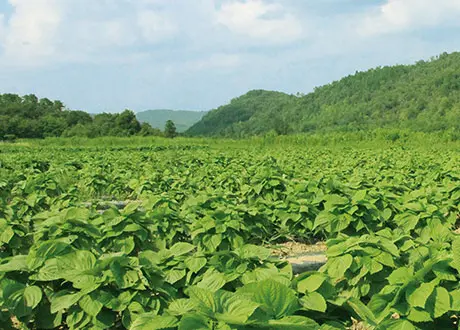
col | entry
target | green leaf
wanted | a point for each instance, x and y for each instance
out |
(77, 319)
(174, 275)
(419, 315)
(16, 263)
(362, 311)
(46, 319)
(332, 326)
(195, 264)
(400, 275)
(32, 296)
(6, 234)
(152, 321)
(294, 323)
(46, 251)
(311, 283)
(90, 306)
(181, 307)
(249, 251)
(439, 302)
(21, 300)
(195, 322)
(334, 200)
(62, 301)
(234, 309)
(124, 245)
(379, 302)
(314, 301)
(74, 213)
(455, 298)
(386, 214)
(456, 252)
(275, 298)
(212, 281)
(336, 267)
(396, 325)
(359, 196)
(418, 297)
(203, 298)
(181, 248)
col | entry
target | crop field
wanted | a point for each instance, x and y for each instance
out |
(181, 235)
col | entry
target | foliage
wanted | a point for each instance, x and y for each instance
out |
(170, 129)
(29, 117)
(189, 248)
(420, 97)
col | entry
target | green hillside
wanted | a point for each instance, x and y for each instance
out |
(421, 97)
(183, 119)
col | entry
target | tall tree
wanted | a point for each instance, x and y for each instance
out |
(170, 129)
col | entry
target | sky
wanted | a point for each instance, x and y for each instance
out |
(111, 55)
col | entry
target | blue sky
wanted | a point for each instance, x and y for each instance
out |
(108, 55)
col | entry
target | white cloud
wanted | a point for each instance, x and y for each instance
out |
(398, 15)
(155, 26)
(32, 29)
(41, 32)
(260, 20)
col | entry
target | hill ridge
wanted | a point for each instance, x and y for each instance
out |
(424, 96)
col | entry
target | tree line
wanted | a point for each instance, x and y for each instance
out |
(30, 117)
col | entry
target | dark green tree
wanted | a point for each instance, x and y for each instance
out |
(170, 129)
(148, 130)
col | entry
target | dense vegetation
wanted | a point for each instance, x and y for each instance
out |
(30, 117)
(420, 97)
(189, 250)
(183, 119)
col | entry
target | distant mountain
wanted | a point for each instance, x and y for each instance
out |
(422, 97)
(183, 119)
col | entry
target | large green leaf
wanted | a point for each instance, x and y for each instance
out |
(174, 275)
(204, 299)
(212, 281)
(181, 248)
(419, 315)
(311, 283)
(90, 305)
(233, 308)
(63, 301)
(125, 245)
(16, 263)
(275, 298)
(21, 300)
(153, 322)
(336, 267)
(314, 301)
(181, 306)
(362, 311)
(417, 297)
(195, 264)
(439, 302)
(401, 275)
(195, 322)
(250, 251)
(294, 323)
(396, 325)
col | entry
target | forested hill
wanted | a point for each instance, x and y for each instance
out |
(183, 119)
(422, 97)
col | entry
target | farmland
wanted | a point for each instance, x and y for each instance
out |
(190, 244)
